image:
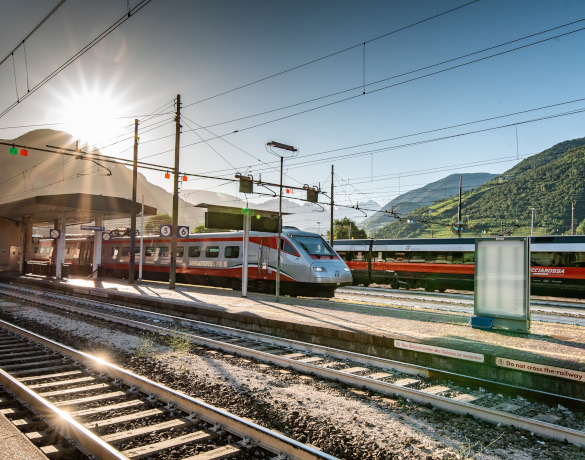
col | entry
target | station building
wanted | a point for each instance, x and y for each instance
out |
(18, 218)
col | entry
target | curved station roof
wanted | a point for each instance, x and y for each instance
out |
(77, 208)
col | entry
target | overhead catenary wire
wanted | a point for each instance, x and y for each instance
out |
(80, 53)
(332, 54)
(354, 88)
(11, 53)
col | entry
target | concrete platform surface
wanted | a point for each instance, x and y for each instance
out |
(14, 445)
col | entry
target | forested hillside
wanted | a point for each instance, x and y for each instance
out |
(549, 182)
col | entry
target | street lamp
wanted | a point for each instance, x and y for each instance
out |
(290, 148)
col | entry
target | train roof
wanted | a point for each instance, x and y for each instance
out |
(289, 231)
(538, 243)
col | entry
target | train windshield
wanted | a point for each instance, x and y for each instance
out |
(315, 246)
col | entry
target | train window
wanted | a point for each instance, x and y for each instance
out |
(315, 245)
(444, 258)
(361, 256)
(232, 252)
(287, 247)
(551, 259)
(458, 257)
(180, 251)
(400, 257)
(115, 252)
(345, 255)
(150, 251)
(378, 257)
(468, 258)
(212, 251)
(125, 251)
(163, 251)
(194, 251)
(416, 257)
(577, 259)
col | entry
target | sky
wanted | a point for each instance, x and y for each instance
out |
(362, 86)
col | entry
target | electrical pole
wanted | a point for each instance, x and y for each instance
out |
(131, 268)
(173, 270)
(532, 222)
(290, 148)
(573, 217)
(279, 234)
(459, 211)
(331, 222)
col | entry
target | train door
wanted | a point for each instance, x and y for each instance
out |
(263, 256)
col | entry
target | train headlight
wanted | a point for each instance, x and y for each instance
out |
(319, 269)
(346, 269)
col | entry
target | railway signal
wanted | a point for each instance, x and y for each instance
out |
(14, 151)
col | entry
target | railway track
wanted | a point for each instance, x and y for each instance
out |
(568, 312)
(110, 413)
(413, 383)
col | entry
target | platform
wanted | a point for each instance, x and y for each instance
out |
(552, 355)
(14, 445)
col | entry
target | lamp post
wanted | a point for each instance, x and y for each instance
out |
(290, 148)
(532, 222)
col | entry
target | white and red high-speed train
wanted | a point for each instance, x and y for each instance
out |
(309, 266)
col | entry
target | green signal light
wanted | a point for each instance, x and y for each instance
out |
(258, 216)
(13, 151)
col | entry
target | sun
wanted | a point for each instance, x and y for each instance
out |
(93, 117)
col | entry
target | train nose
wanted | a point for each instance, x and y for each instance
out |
(328, 273)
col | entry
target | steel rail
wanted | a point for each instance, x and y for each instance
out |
(419, 396)
(382, 363)
(262, 437)
(85, 440)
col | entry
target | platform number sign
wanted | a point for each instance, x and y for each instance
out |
(54, 233)
(166, 231)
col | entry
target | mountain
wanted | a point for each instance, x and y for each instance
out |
(313, 217)
(425, 196)
(552, 182)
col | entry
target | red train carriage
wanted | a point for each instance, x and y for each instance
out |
(557, 263)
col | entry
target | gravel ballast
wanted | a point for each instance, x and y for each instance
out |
(344, 422)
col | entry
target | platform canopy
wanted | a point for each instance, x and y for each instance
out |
(77, 208)
(232, 218)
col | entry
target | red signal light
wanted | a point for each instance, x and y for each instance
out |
(24, 152)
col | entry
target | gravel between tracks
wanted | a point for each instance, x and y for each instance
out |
(347, 423)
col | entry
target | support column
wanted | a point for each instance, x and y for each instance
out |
(60, 245)
(28, 244)
(97, 247)
(245, 242)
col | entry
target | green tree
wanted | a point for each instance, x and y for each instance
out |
(152, 224)
(345, 229)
